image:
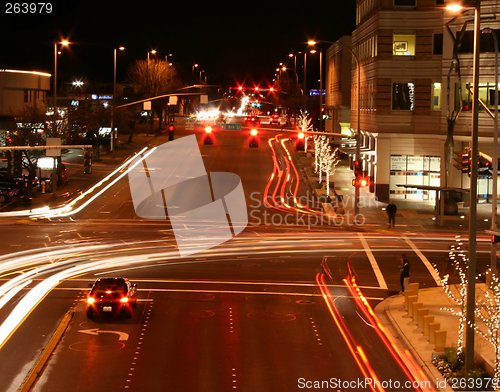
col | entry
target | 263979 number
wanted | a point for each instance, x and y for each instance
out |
(28, 8)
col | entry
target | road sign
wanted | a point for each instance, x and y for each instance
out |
(232, 126)
(53, 145)
(172, 100)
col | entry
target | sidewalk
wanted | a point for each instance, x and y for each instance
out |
(412, 216)
(396, 317)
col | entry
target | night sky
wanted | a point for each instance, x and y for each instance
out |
(234, 42)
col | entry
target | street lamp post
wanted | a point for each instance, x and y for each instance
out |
(54, 84)
(114, 99)
(358, 119)
(494, 160)
(472, 266)
(192, 71)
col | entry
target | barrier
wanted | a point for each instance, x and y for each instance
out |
(427, 321)
(410, 300)
(439, 340)
(420, 317)
(413, 309)
(433, 327)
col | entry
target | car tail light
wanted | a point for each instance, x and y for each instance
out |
(253, 132)
(124, 300)
(90, 300)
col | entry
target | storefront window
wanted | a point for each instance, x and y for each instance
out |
(414, 170)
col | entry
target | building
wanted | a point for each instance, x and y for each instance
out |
(414, 92)
(21, 89)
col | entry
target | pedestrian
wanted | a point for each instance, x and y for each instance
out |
(404, 276)
(391, 210)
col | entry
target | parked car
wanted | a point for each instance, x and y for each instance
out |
(8, 190)
(111, 296)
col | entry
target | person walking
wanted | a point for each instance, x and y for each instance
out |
(404, 276)
(391, 210)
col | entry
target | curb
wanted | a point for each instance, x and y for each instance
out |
(432, 373)
(47, 351)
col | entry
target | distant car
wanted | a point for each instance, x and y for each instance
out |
(275, 119)
(252, 120)
(111, 296)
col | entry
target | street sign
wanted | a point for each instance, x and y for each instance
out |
(146, 105)
(53, 145)
(172, 100)
(232, 126)
(203, 98)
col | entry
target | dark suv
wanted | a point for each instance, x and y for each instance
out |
(111, 296)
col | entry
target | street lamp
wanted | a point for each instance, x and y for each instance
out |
(62, 43)
(357, 154)
(192, 71)
(112, 135)
(314, 43)
(494, 160)
(471, 270)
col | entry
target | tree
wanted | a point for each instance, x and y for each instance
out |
(488, 311)
(29, 132)
(152, 78)
(459, 261)
(305, 125)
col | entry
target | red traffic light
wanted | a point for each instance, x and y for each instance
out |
(208, 129)
(253, 132)
(301, 135)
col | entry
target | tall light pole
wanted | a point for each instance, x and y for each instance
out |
(358, 114)
(54, 83)
(192, 71)
(122, 48)
(494, 160)
(471, 270)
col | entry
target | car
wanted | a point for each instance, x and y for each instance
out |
(252, 120)
(111, 296)
(275, 119)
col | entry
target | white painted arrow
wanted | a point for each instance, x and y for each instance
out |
(97, 331)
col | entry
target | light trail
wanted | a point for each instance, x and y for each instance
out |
(68, 209)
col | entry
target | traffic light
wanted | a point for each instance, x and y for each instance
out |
(299, 145)
(466, 162)
(209, 138)
(358, 169)
(361, 182)
(372, 184)
(253, 141)
(171, 129)
(484, 167)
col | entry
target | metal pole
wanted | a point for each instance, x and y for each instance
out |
(471, 271)
(305, 75)
(494, 165)
(358, 131)
(114, 102)
(54, 87)
(320, 90)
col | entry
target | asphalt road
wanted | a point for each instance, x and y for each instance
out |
(245, 315)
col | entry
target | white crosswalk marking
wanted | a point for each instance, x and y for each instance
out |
(373, 262)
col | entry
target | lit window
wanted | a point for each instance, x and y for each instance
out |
(403, 96)
(436, 96)
(403, 45)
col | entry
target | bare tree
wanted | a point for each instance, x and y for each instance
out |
(152, 78)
